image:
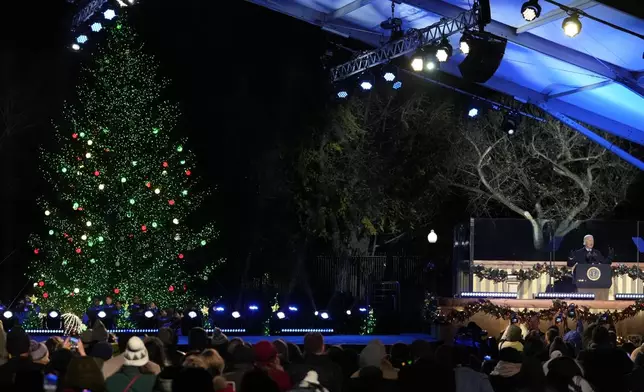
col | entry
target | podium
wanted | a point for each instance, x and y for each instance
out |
(594, 278)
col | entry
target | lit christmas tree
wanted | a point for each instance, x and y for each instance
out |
(124, 187)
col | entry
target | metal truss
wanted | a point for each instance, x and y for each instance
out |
(413, 40)
(87, 11)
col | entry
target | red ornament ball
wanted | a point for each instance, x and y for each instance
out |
(74, 136)
(45, 295)
(181, 255)
(171, 202)
(185, 287)
(188, 172)
(65, 235)
(41, 283)
(171, 288)
(148, 184)
(78, 250)
(116, 291)
(165, 164)
(144, 228)
(36, 251)
(79, 209)
(97, 173)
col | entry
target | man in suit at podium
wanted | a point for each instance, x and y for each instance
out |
(588, 254)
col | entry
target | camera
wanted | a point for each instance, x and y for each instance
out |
(559, 318)
(571, 311)
(514, 319)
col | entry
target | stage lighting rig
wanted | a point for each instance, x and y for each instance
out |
(531, 10)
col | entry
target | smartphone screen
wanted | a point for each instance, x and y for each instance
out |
(74, 341)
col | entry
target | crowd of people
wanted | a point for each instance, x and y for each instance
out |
(525, 359)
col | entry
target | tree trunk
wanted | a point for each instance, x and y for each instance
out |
(537, 233)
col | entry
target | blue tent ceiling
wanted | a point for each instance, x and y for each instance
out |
(596, 77)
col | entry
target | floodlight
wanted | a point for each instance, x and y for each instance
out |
(218, 309)
(324, 315)
(531, 10)
(292, 308)
(236, 315)
(397, 85)
(444, 50)
(102, 314)
(53, 314)
(192, 314)
(473, 112)
(7, 314)
(81, 39)
(75, 47)
(571, 25)
(109, 14)
(253, 308)
(96, 27)
(363, 310)
(280, 315)
(389, 72)
(148, 314)
(348, 312)
(464, 43)
(418, 60)
(342, 94)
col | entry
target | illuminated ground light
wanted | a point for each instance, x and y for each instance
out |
(109, 14)
(397, 85)
(473, 112)
(96, 27)
(81, 39)
(342, 94)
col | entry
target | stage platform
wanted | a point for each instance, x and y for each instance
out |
(537, 303)
(346, 340)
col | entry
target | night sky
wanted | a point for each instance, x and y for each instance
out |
(247, 79)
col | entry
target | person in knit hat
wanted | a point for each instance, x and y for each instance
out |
(84, 373)
(131, 376)
(512, 338)
(102, 351)
(20, 372)
(267, 360)
(38, 352)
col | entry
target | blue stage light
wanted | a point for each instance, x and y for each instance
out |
(342, 94)
(473, 112)
(281, 315)
(389, 76)
(363, 310)
(96, 27)
(253, 308)
(397, 85)
(292, 308)
(81, 39)
(218, 309)
(109, 14)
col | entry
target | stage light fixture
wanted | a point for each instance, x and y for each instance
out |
(236, 314)
(571, 25)
(473, 112)
(342, 94)
(218, 309)
(53, 314)
(253, 308)
(75, 47)
(81, 39)
(397, 85)
(324, 315)
(464, 42)
(7, 314)
(148, 314)
(280, 315)
(96, 27)
(510, 123)
(418, 60)
(109, 14)
(192, 314)
(366, 82)
(484, 56)
(531, 10)
(389, 73)
(348, 312)
(363, 310)
(53, 321)
(292, 308)
(431, 61)
(444, 50)
(102, 314)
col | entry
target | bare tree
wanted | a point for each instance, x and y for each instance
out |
(547, 172)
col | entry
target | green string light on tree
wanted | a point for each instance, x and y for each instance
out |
(101, 235)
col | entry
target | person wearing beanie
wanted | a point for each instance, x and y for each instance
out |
(243, 359)
(102, 351)
(131, 377)
(267, 360)
(84, 373)
(198, 339)
(315, 358)
(20, 372)
(512, 338)
(38, 352)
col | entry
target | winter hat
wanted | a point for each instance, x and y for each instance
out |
(513, 334)
(84, 373)
(135, 352)
(86, 336)
(99, 332)
(311, 382)
(282, 349)
(17, 342)
(372, 354)
(264, 351)
(102, 350)
(37, 351)
(167, 337)
(197, 339)
(243, 354)
(218, 338)
(59, 360)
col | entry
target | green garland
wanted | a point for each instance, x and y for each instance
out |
(431, 311)
(558, 307)
(558, 273)
(368, 323)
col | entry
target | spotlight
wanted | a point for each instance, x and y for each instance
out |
(76, 47)
(510, 123)
(281, 315)
(218, 309)
(418, 60)
(431, 61)
(316, 313)
(342, 94)
(397, 85)
(444, 50)
(81, 39)
(8, 314)
(348, 312)
(53, 314)
(324, 315)
(473, 112)
(363, 310)
(389, 73)
(571, 25)
(464, 43)
(253, 308)
(192, 314)
(366, 82)
(292, 308)
(531, 10)
(235, 314)
(53, 320)
(109, 14)
(102, 314)
(148, 314)
(96, 27)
